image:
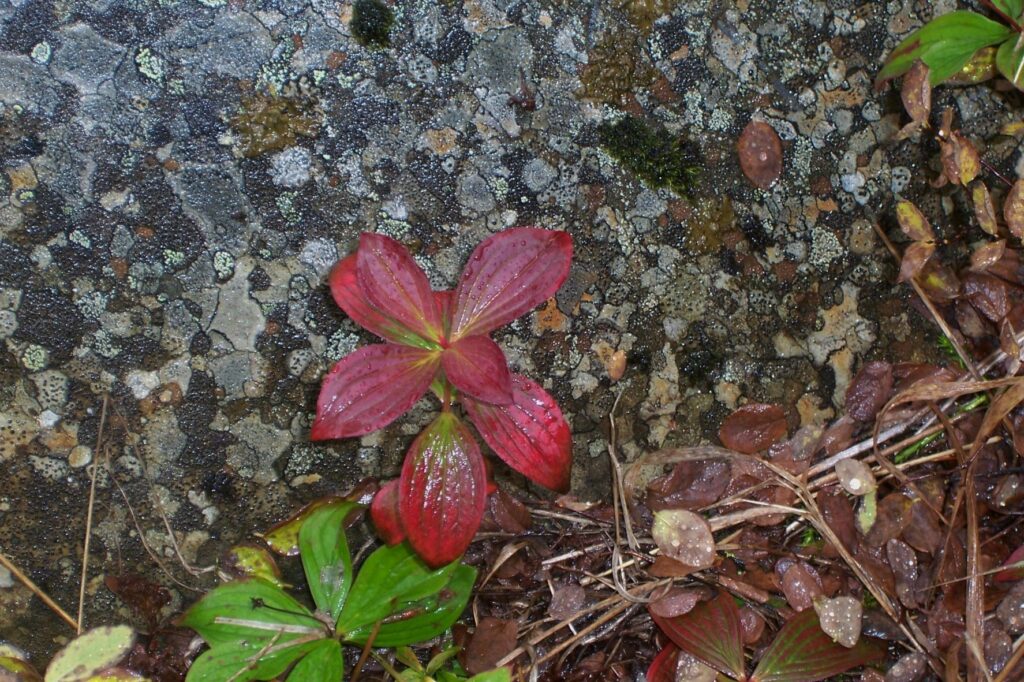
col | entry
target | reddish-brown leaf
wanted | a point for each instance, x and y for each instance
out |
(384, 513)
(894, 512)
(800, 583)
(987, 255)
(988, 293)
(1013, 209)
(753, 428)
(916, 93)
(492, 640)
(1011, 572)
(869, 390)
(939, 282)
(566, 601)
(673, 665)
(838, 514)
(915, 257)
(143, 596)
(984, 210)
(711, 633)
(960, 160)
(903, 561)
(752, 624)
(690, 485)
(507, 513)
(760, 152)
(684, 536)
(676, 602)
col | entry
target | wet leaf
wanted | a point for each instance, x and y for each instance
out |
(753, 428)
(944, 44)
(988, 293)
(566, 601)
(349, 296)
(283, 537)
(838, 514)
(370, 388)
(325, 556)
(913, 223)
(939, 282)
(673, 665)
(384, 514)
(1010, 610)
(978, 69)
(530, 435)
(684, 536)
(760, 153)
(711, 633)
(802, 652)
(493, 639)
(840, 619)
(752, 624)
(394, 284)
(800, 584)
(910, 668)
(867, 512)
(1013, 209)
(984, 210)
(676, 602)
(90, 653)
(987, 255)
(869, 390)
(894, 514)
(442, 490)
(1010, 62)
(508, 275)
(509, 514)
(144, 597)
(249, 560)
(666, 567)
(476, 366)
(903, 561)
(960, 160)
(916, 93)
(1010, 572)
(855, 476)
(19, 669)
(915, 258)
(690, 485)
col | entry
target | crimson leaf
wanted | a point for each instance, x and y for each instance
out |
(394, 284)
(663, 667)
(384, 512)
(442, 490)
(530, 435)
(476, 366)
(711, 633)
(507, 275)
(802, 652)
(370, 388)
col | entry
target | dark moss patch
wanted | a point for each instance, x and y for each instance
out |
(371, 23)
(659, 159)
(269, 123)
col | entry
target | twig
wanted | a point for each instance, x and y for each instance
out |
(88, 514)
(35, 589)
(366, 652)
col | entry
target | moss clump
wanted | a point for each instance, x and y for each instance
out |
(659, 159)
(615, 69)
(371, 23)
(268, 123)
(643, 13)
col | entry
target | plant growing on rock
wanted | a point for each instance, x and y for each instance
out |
(438, 342)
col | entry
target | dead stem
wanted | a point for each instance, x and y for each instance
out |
(35, 589)
(100, 448)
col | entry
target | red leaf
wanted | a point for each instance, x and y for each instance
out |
(752, 428)
(349, 297)
(802, 652)
(476, 366)
(370, 388)
(384, 512)
(869, 390)
(530, 435)
(711, 633)
(663, 667)
(509, 274)
(915, 257)
(394, 284)
(442, 490)
(1011, 572)
(760, 153)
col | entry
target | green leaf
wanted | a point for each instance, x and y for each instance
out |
(1011, 8)
(325, 556)
(250, 560)
(944, 44)
(496, 675)
(322, 663)
(802, 652)
(437, 661)
(243, 662)
(412, 602)
(710, 632)
(256, 612)
(1008, 60)
(90, 653)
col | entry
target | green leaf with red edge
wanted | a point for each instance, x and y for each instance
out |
(508, 275)
(1011, 572)
(802, 652)
(350, 298)
(395, 285)
(944, 44)
(370, 388)
(384, 513)
(711, 633)
(476, 366)
(530, 435)
(442, 490)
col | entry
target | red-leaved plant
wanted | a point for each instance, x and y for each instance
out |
(438, 341)
(711, 633)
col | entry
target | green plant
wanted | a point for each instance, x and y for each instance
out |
(659, 159)
(439, 342)
(257, 631)
(441, 668)
(965, 46)
(711, 633)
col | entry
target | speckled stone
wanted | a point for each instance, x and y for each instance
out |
(154, 262)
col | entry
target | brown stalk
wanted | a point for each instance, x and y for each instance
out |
(100, 448)
(35, 589)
